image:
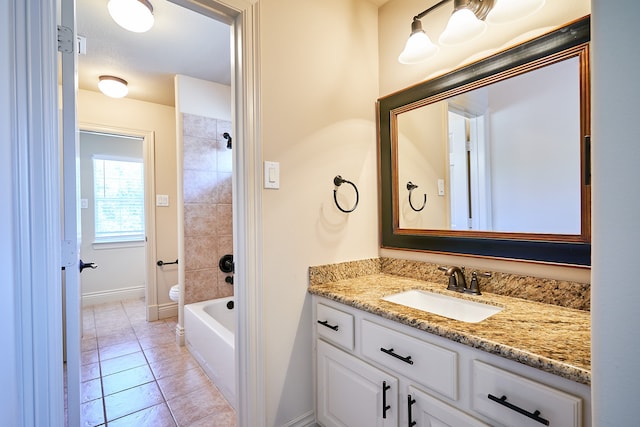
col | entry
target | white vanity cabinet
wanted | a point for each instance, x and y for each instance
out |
(375, 372)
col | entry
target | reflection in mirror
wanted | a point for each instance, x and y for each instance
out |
(503, 157)
(500, 148)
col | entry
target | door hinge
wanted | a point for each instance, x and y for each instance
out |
(65, 39)
(68, 253)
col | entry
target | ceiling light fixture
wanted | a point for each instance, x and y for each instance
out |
(112, 86)
(466, 23)
(132, 15)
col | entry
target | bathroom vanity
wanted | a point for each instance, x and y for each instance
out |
(380, 363)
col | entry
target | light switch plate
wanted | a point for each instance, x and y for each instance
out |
(162, 200)
(271, 174)
(441, 187)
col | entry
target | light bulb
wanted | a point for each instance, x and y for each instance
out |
(462, 26)
(419, 46)
(112, 86)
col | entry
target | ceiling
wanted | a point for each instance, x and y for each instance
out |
(180, 42)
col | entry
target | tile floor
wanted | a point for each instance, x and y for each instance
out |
(134, 373)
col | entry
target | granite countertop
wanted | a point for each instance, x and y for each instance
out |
(544, 336)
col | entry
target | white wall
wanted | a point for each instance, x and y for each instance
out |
(394, 26)
(319, 83)
(96, 109)
(615, 294)
(202, 98)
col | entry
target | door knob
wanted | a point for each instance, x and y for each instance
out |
(84, 265)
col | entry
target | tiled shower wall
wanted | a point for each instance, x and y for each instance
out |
(207, 206)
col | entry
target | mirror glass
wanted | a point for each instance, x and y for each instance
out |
(493, 159)
(503, 157)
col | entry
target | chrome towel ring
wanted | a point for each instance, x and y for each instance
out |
(411, 186)
(338, 181)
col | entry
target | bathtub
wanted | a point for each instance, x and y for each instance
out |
(209, 335)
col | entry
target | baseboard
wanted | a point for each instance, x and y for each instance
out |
(167, 310)
(304, 420)
(112, 295)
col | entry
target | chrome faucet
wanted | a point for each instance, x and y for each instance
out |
(457, 281)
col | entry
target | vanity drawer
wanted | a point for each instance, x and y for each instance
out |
(335, 325)
(511, 400)
(428, 364)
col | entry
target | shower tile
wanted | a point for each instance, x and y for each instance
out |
(183, 383)
(224, 157)
(194, 125)
(224, 187)
(124, 380)
(200, 284)
(225, 244)
(132, 400)
(200, 252)
(154, 416)
(222, 127)
(225, 220)
(199, 153)
(199, 187)
(200, 219)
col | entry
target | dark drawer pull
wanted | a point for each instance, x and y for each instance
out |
(410, 402)
(326, 323)
(534, 416)
(385, 407)
(390, 352)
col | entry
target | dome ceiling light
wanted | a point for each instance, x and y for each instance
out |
(132, 15)
(112, 86)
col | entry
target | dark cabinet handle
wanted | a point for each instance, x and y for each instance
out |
(326, 323)
(410, 402)
(533, 415)
(389, 351)
(385, 407)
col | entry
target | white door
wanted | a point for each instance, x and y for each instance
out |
(71, 224)
(352, 393)
(459, 184)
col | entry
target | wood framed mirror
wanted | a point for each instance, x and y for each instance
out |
(492, 159)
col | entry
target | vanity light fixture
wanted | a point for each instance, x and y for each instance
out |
(132, 15)
(112, 86)
(466, 23)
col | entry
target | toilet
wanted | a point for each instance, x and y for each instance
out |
(174, 293)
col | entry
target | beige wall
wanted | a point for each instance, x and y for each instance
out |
(96, 109)
(319, 83)
(394, 27)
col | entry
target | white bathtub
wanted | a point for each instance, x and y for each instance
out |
(209, 334)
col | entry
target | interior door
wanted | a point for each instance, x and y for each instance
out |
(70, 205)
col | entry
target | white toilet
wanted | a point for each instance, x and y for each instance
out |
(174, 293)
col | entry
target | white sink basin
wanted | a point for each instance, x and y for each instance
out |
(446, 306)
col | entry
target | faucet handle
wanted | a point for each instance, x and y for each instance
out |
(474, 287)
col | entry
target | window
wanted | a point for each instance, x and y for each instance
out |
(119, 199)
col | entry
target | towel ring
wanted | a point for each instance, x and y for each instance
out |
(411, 186)
(338, 181)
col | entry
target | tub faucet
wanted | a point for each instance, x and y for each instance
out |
(457, 281)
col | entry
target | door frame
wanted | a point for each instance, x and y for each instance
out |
(37, 380)
(148, 148)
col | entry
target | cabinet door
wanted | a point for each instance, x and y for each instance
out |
(427, 411)
(352, 393)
